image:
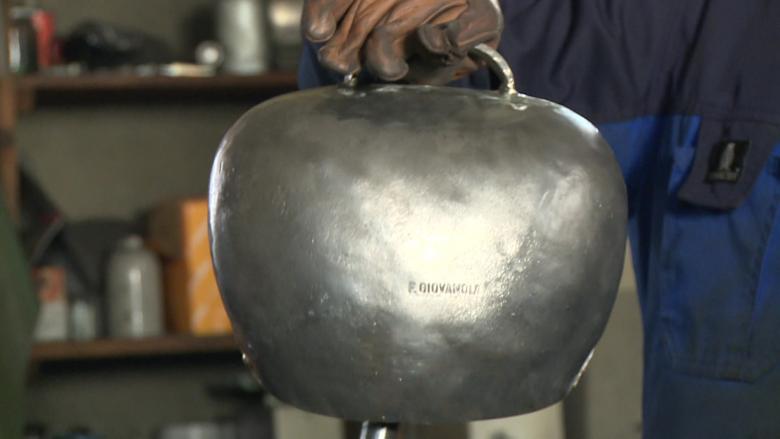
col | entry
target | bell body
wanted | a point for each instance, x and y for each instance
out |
(417, 254)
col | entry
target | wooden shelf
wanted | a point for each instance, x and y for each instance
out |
(93, 89)
(114, 349)
(116, 82)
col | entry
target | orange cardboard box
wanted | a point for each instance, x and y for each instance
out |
(179, 232)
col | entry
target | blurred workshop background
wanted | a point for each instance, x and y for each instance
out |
(111, 112)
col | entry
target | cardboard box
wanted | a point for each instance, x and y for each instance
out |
(179, 232)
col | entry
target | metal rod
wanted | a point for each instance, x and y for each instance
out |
(375, 430)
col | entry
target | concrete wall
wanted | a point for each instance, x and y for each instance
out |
(114, 161)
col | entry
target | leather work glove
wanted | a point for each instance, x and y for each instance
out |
(387, 36)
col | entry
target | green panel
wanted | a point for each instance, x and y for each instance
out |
(18, 308)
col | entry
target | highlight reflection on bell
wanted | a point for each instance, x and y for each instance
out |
(417, 254)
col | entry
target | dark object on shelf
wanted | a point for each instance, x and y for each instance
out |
(41, 219)
(78, 433)
(199, 26)
(101, 45)
(89, 244)
(417, 254)
(34, 430)
(238, 386)
(284, 17)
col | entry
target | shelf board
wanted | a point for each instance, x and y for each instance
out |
(116, 82)
(100, 88)
(111, 349)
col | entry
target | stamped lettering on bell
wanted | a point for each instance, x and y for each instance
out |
(443, 288)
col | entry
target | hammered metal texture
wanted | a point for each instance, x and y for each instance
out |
(417, 254)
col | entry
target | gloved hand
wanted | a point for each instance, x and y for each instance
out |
(386, 36)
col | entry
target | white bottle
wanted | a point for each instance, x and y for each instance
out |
(135, 300)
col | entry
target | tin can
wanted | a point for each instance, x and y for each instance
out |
(22, 45)
(243, 31)
(44, 25)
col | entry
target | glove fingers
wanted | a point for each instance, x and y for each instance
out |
(435, 39)
(342, 52)
(481, 23)
(386, 48)
(321, 17)
(386, 54)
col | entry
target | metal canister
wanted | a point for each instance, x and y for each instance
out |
(243, 31)
(22, 44)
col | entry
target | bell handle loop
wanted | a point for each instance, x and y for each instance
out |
(482, 52)
(498, 65)
(350, 80)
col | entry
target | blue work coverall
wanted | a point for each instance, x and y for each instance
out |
(688, 95)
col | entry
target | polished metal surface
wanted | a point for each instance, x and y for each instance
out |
(416, 254)
(371, 430)
(498, 64)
